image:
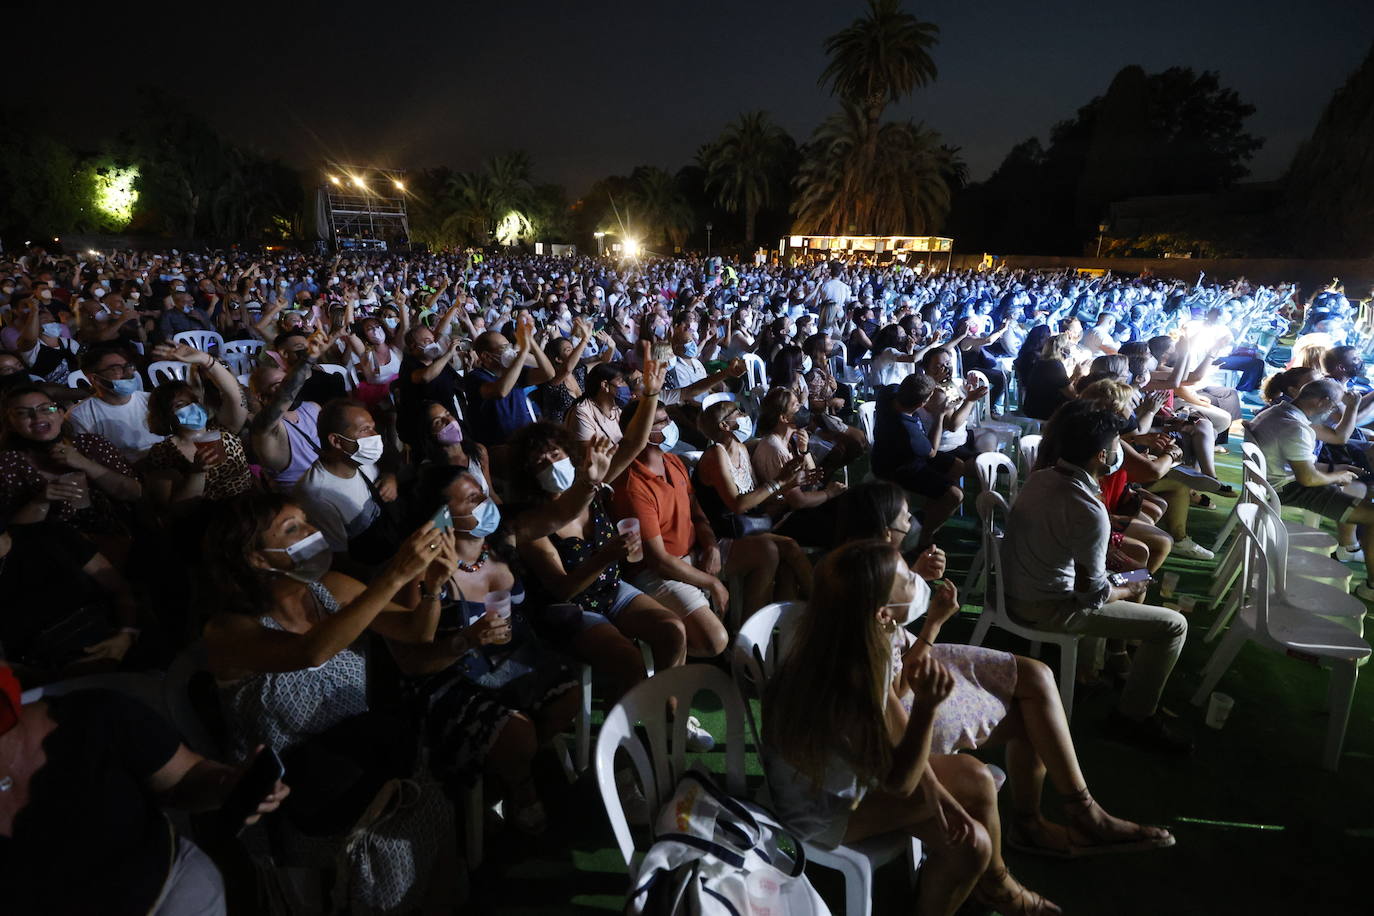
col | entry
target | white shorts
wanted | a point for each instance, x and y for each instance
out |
(679, 597)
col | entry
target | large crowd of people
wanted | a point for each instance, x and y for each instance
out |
(395, 502)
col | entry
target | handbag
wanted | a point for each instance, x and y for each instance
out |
(716, 855)
(379, 541)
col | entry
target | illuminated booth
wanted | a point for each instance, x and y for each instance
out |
(881, 249)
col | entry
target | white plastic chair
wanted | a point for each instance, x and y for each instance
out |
(755, 657)
(78, 379)
(989, 465)
(251, 347)
(868, 412)
(1304, 537)
(238, 362)
(755, 373)
(1268, 621)
(341, 371)
(659, 767)
(1029, 450)
(167, 370)
(995, 603)
(209, 341)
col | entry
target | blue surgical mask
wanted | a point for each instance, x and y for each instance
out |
(690, 349)
(52, 328)
(622, 395)
(124, 386)
(557, 477)
(192, 416)
(488, 516)
(1115, 462)
(670, 437)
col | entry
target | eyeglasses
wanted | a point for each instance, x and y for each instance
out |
(33, 413)
(117, 368)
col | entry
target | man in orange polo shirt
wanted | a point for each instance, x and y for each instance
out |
(682, 560)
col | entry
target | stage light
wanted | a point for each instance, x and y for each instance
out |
(400, 186)
(632, 248)
(358, 181)
(334, 179)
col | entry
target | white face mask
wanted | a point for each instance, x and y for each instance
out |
(432, 351)
(744, 427)
(508, 356)
(368, 451)
(1115, 462)
(557, 477)
(310, 558)
(905, 612)
(670, 437)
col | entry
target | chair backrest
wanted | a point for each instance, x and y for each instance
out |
(989, 503)
(1029, 447)
(1252, 452)
(1273, 536)
(659, 769)
(78, 379)
(989, 464)
(755, 375)
(868, 412)
(242, 346)
(1254, 571)
(166, 370)
(757, 650)
(1262, 488)
(180, 705)
(239, 362)
(201, 340)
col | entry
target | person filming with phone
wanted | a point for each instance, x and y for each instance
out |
(1054, 563)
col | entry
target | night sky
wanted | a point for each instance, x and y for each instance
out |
(595, 88)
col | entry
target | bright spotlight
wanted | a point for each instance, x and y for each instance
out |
(632, 248)
(334, 179)
(400, 185)
(357, 181)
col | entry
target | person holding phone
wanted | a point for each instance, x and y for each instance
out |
(83, 781)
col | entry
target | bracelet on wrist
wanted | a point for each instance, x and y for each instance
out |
(926, 641)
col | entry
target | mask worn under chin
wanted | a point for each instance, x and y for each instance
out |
(488, 518)
(450, 434)
(557, 477)
(193, 416)
(310, 558)
(368, 451)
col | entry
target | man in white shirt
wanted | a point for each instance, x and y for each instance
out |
(342, 492)
(836, 290)
(118, 407)
(1099, 340)
(1285, 435)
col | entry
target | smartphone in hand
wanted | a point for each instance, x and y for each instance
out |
(443, 519)
(262, 777)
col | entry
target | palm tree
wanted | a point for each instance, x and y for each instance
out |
(877, 59)
(473, 214)
(905, 188)
(659, 204)
(744, 163)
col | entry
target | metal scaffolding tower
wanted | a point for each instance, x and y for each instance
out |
(365, 208)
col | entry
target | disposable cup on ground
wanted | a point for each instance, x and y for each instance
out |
(627, 527)
(1219, 706)
(764, 887)
(1186, 603)
(1168, 583)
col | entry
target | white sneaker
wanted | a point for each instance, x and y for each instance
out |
(699, 740)
(1191, 549)
(1346, 555)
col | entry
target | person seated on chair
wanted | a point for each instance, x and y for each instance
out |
(86, 778)
(496, 388)
(1000, 699)
(904, 451)
(956, 399)
(1054, 562)
(845, 759)
(1286, 434)
(735, 503)
(783, 438)
(118, 406)
(684, 566)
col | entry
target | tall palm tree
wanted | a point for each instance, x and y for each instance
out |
(473, 214)
(877, 59)
(511, 187)
(905, 188)
(659, 206)
(744, 165)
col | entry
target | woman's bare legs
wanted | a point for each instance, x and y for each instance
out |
(951, 870)
(756, 559)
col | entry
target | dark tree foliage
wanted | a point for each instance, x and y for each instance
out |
(1330, 185)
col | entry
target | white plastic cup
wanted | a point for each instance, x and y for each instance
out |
(1186, 603)
(1168, 584)
(626, 527)
(1219, 707)
(498, 605)
(764, 888)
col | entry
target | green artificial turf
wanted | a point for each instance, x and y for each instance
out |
(1261, 827)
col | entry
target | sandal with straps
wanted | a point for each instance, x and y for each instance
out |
(1010, 897)
(1097, 841)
